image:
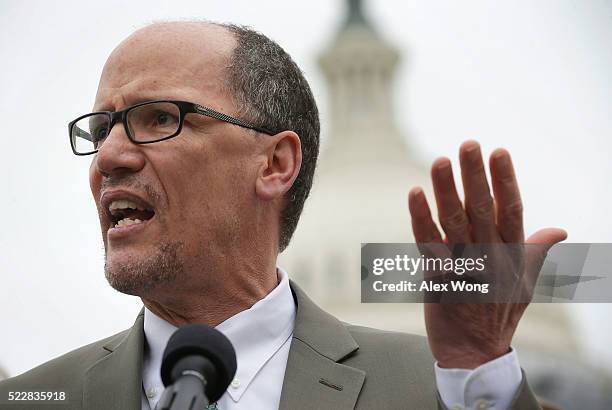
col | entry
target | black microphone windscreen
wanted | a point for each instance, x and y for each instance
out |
(204, 341)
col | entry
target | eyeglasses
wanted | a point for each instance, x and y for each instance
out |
(144, 123)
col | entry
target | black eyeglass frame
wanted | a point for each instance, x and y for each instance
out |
(184, 109)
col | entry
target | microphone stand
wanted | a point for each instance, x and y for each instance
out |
(191, 386)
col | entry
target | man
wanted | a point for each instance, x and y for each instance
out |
(205, 139)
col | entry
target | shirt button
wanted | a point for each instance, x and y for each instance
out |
(482, 405)
(236, 383)
(152, 392)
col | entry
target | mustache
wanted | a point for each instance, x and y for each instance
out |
(133, 183)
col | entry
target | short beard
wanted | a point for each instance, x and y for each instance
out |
(140, 277)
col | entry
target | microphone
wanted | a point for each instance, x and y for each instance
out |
(198, 364)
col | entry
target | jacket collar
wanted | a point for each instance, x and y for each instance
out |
(115, 381)
(319, 330)
(314, 377)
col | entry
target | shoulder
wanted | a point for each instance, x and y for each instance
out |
(65, 370)
(398, 364)
(359, 346)
(375, 343)
(384, 355)
(389, 338)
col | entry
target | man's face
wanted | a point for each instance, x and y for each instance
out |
(193, 190)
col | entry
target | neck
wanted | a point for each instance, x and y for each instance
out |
(231, 292)
(224, 280)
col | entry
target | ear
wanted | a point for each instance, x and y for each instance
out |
(283, 159)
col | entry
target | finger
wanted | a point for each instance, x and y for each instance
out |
(426, 233)
(423, 226)
(452, 216)
(508, 202)
(478, 200)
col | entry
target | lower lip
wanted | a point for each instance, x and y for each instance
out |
(121, 232)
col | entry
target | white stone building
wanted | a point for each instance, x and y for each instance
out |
(360, 195)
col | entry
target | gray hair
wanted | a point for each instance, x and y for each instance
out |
(271, 92)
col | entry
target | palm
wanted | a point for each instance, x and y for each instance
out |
(468, 334)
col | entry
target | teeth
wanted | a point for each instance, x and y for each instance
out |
(123, 204)
(128, 221)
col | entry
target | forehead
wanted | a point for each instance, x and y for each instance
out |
(170, 60)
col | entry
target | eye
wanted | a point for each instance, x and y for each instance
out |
(98, 135)
(164, 119)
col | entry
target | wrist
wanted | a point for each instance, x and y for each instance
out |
(470, 358)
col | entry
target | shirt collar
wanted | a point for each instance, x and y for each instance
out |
(256, 334)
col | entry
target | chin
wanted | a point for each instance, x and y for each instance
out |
(139, 273)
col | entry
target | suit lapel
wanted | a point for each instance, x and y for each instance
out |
(115, 381)
(314, 378)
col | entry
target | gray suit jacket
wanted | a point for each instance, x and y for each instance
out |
(331, 365)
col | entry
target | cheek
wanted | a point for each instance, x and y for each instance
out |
(211, 182)
(218, 171)
(219, 189)
(215, 198)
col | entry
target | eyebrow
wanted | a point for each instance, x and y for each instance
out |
(137, 98)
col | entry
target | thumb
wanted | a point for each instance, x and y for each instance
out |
(537, 249)
(547, 237)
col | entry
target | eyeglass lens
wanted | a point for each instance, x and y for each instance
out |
(146, 123)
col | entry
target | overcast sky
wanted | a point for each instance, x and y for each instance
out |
(533, 77)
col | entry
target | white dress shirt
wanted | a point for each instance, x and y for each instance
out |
(262, 336)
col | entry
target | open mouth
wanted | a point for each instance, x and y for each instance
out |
(124, 212)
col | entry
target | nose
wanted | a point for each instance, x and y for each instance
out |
(118, 154)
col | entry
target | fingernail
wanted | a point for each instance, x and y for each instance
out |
(418, 195)
(472, 151)
(444, 170)
(501, 160)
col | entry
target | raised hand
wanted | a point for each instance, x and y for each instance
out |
(466, 335)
